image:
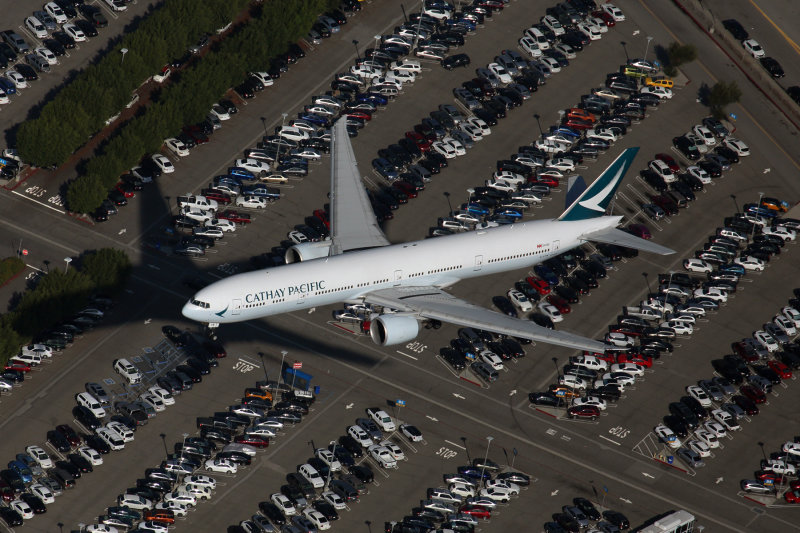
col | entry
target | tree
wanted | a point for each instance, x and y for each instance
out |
(722, 94)
(108, 268)
(677, 55)
(85, 194)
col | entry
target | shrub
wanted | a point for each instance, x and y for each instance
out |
(10, 267)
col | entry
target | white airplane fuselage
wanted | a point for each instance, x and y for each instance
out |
(438, 262)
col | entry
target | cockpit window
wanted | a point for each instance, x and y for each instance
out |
(198, 303)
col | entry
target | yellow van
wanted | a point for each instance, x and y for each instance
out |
(632, 71)
(659, 81)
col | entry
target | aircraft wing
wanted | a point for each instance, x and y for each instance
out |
(622, 238)
(434, 303)
(353, 222)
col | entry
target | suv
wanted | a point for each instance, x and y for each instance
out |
(124, 368)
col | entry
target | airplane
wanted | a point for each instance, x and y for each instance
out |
(408, 281)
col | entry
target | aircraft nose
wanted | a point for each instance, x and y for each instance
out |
(190, 311)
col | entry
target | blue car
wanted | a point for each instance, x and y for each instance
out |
(314, 119)
(564, 130)
(546, 274)
(373, 98)
(732, 268)
(228, 180)
(22, 470)
(473, 472)
(7, 85)
(270, 193)
(475, 209)
(509, 212)
(383, 167)
(241, 173)
(761, 211)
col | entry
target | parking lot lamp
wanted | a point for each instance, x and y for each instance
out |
(555, 364)
(264, 123)
(664, 299)
(647, 281)
(164, 440)
(470, 192)
(185, 435)
(284, 353)
(647, 48)
(264, 365)
(758, 213)
(355, 45)
(623, 43)
(124, 51)
(328, 480)
(449, 205)
(68, 260)
(60, 527)
(735, 203)
(538, 122)
(761, 444)
(486, 457)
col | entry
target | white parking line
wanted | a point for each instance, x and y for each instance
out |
(409, 356)
(454, 444)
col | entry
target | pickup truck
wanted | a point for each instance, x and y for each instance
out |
(235, 217)
(205, 421)
(16, 42)
(199, 202)
(643, 311)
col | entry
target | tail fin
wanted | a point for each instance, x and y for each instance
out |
(594, 200)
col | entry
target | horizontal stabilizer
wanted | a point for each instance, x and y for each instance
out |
(622, 238)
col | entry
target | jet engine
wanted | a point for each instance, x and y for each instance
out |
(307, 250)
(386, 330)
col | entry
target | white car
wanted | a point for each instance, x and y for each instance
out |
(550, 311)
(265, 79)
(334, 499)
(75, 32)
(619, 339)
(563, 164)
(176, 146)
(40, 456)
(590, 30)
(327, 457)
(223, 224)
(623, 378)
(411, 433)
(366, 71)
(200, 492)
(456, 145)
(462, 489)
(55, 12)
(792, 314)
(766, 340)
(154, 401)
(116, 5)
(604, 134)
(792, 448)
(573, 382)
(251, 202)
(163, 163)
(164, 395)
(311, 475)
(183, 498)
(614, 11)
(750, 263)
(699, 173)
(712, 292)
(253, 165)
(701, 448)
(727, 420)
(530, 45)
(520, 301)
(551, 63)
(36, 27)
(737, 146)
(407, 64)
(178, 508)
(599, 23)
(20, 506)
(491, 359)
(705, 134)
(480, 124)
(200, 215)
(501, 73)
(715, 428)
(219, 111)
(134, 501)
(401, 76)
(42, 351)
(274, 177)
(753, 48)
(498, 494)
(696, 265)
(360, 436)
(113, 440)
(382, 456)
(47, 55)
(220, 466)
(91, 455)
(317, 518)
(678, 326)
(629, 368)
(550, 146)
(663, 170)
(471, 131)
(43, 493)
(284, 504)
(394, 449)
(382, 418)
(780, 231)
(699, 394)
(785, 325)
(444, 149)
(667, 436)
(121, 430)
(292, 133)
(241, 448)
(554, 25)
(779, 467)
(593, 401)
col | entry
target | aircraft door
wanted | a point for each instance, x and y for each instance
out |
(236, 307)
(555, 245)
(478, 262)
(398, 277)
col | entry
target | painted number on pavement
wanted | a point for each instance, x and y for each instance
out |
(416, 347)
(619, 431)
(446, 453)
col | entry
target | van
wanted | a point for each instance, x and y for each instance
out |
(29, 358)
(678, 199)
(91, 403)
(472, 337)
(63, 478)
(484, 371)
(632, 71)
(659, 81)
(124, 368)
(537, 35)
(731, 234)
(311, 474)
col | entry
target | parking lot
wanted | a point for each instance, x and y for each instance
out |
(609, 461)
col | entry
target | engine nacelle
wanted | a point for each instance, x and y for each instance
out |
(386, 330)
(307, 250)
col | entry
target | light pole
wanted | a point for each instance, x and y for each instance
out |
(264, 123)
(68, 260)
(264, 365)
(447, 195)
(647, 281)
(555, 364)
(464, 440)
(758, 213)
(647, 47)
(470, 192)
(537, 117)
(405, 18)
(625, 49)
(355, 44)
(185, 435)
(377, 40)
(735, 203)
(761, 444)
(164, 440)
(486, 458)
(664, 296)
(284, 353)
(60, 525)
(330, 470)
(123, 51)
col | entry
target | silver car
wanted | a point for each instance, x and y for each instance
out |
(690, 457)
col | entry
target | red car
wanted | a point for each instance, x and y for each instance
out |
(776, 479)
(6, 492)
(745, 352)
(359, 114)
(540, 285)
(609, 357)
(70, 434)
(636, 358)
(476, 510)
(589, 412)
(406, 187)
(252, 440)
(218, 196)
(779, 368)
(18, 366)
(125, 189)
(425, 131)
(792, 496)
(627, 330)
(754, 394)
(608, 19)
(582, 114)
(550, 181)
(196, 133)
(640, 230)
(670, 161)
(422, 141)
(560, 303)
(235, 217)
(578, 124)
(323, 216)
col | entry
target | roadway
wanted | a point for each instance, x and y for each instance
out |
(568, 459)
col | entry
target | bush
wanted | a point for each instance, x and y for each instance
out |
(721, 95)
(10, 267)
(107, 268)
(677, 55)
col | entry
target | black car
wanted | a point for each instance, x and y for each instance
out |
(682, 411)
(193, 374)
(350, 444)
(617, 518)
(547, 399)
(94, 15)
(85, 417)
(363, 473)
(457, 60)
(692, 403)
(686, 147)
(26, 72)
(93, 441)
(86, 27)
(676, 425)
(58, 441)
(271, 511)
(773, 67)
(10, 516)
(245, 90)
(56, 47)
(736, 29)
(12, 479)
(80, 462)
(453, 358)
(711, 167)
(67, 466)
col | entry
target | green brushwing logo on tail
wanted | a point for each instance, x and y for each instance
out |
(594, 200)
